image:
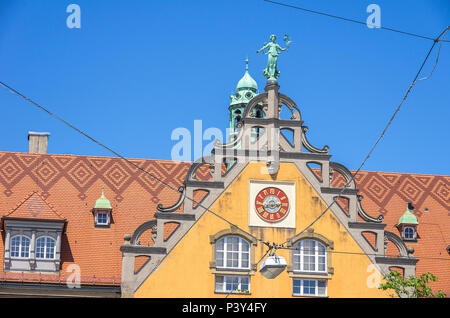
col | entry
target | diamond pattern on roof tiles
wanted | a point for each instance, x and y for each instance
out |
(441, 192)
(82, 172)
(9, 171)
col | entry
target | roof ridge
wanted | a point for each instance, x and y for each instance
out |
(408, 173)
(20, 203)
(88, 156)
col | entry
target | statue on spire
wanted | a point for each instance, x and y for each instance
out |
(271, 71)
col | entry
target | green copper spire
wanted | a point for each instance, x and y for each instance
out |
(408, 218)
(247, 82)
(271, 72)
(246, 89)
(102, 202)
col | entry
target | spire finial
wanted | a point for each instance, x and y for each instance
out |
(246, 63)
(102, 202)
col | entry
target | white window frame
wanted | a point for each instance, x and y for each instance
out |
(45, 247)
(299, 252)
(302, 286)
(21, 246)
(224, 283)
(413, 233)
(33, 230)
(241, 252)
(107, 218)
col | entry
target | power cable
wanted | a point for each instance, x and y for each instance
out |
(348, 20)
(443, 33)
(367, 254)
(12, 90)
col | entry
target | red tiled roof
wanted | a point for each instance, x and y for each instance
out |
(387, 193)
(71, 184)
(34, 207)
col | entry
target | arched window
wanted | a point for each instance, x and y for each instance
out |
(408, 233)
(236, 121)
(232, 252)
(20, 246)
(309, 256)
(45, 247)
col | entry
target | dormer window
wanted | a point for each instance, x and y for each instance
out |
(45, 247)
(20, 246)
(102, 219)
(102, 211)
(33, 232)
(409, 233)
(407, 224)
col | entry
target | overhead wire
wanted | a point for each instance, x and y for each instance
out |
(442, 34)
(349, 20)
(198, 204)
(367, 254)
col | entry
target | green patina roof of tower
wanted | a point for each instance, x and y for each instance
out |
(246, 89)
(408, 218)
(246, 82)
(102, 202)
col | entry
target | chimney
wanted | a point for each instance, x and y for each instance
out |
(38, 142)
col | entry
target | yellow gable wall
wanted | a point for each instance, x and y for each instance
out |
(185, 271)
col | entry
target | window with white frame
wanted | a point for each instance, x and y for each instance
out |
(309, 287)
(309, 256)
(232, 252)
(45, 247)
(232, 284)
(20, 246)
(102, 218)
(32, 245)
(408, 233)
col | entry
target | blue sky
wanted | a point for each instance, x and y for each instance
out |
(136, 70)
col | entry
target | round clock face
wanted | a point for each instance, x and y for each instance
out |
(272, 204)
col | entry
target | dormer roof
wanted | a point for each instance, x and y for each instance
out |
(34, 206)
(102, 202)
(407, 218)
